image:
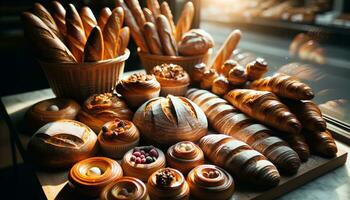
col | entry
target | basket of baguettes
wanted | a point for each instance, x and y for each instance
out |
(160, 41)
(79, 55)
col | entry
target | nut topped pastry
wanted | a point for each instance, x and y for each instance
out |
(256, 69)
(117, 137)
(138, 88)
(99, 109)
(172, 78)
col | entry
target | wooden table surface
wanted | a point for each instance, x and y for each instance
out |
(334, 185)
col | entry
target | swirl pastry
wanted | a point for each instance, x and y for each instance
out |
(50, 110)
(165, 121)
(240, 160)
(62, 143)
(210, 182)
(256, 69)
(88, 177)
(184, 156)
(117, 137)
(168, 183)
(141, 162)
(173, 79)
(125, 188)
(207, 79)
(99, 109)
(138, 88)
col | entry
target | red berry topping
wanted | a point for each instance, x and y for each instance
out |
(143, 160)
(153, 153)
(142, 156)
(138, 160)
(137, 154)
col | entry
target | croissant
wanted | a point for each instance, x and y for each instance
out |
(321, 143)
(308, 113)
(240, 160)
(284, 86)
(226, 119)
(298, 144)
(265, 107)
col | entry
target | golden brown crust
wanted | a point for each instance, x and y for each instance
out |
(149, 15)
(165, 10)
(198, 72)
(256, 69)
(237, 76)
(105, 13)
(136, 11)
(125, 187)
(58, 13)
(195, 42)
(207, 79)
(298, 40)
(94, 47)
(306, 49)
(152, 37)
(298, 143)
(154, 7)
(185, 21)
(227, 66)
(220, 86)
(170, 75)
(88, 19)
(111, 33)
(166, 37)
(321, 143)
(123, 40)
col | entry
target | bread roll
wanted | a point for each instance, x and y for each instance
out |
(165, 10)
(58, 13)
(220, 86)
(237, 76)
(88, 19)
(166, 37)
(198, 72)
(298, 40)
(195, 42)
(111, 33)
(75, 33)
(306, 50)
(185, 21)
(94, 47)
(136, 11)
(152, 37)
(149, 15)
(207, 79)
(154, 7)
(256, 69)
(47, 45)
(227, 66)
(123, 40)
(105, 13)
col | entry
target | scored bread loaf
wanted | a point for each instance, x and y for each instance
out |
(75, 33)
(136, 11)
(152, 37)
(88, 19)
(123, 40)
(154, 7)
(185, 21)
(149, 15)
(105, 13)
(226, 119)
(265, 107)
(111, 33)
(243, 162)
(165, 10)
(166, 37)
(58, 13)
(47, 45)
(94, 48)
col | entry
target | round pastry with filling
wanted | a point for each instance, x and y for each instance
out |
(173, 79)
(117, 137)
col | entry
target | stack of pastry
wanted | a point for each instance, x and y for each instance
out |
(155, 32)
(66, 36)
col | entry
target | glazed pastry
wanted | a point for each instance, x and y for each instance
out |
(298, 143)
(88, 19)
(125, 188)
(237, 76)
(195, 42)
(299, 40)
(207, 79)
(138, 88)
(184, 156)
(165, 121)
(227, 66)
(99, 109)
(88, 177)
(184, 22)
(284, 86)
(265, 107)
(256, 69)
(105, 13)
(62, 143)
(198, 72)
(173, 79)
(168, 183)
(321, 143)
(58, 13)
(227, 119)
(209, 182)
(220, 86)
(141, 162)
(240, 160)
(117, 137)
(50, 110)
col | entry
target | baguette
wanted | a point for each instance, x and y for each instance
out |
(123, 40)
(88, 19)
(40, 11)
(58, 13)
(227, 119)
(152, 37)
(185, 21)
(226, 49)
(48, 46)
(154, 7)
(75, 33)
(136, 11)
(93, 50)
(135, 30)
(111, 33)
(165, 10)
(149, 15)
(166, 37)
(105, 13)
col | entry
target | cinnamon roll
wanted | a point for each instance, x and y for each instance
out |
(102, 108)
(138, 88)
(208, 182)
(184, 156)
(117, 137)
(173, 79)
(141, 162)
(168, 183)
(256, 69)
(88, 177)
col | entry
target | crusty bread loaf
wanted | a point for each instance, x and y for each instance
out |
(111, 33)
(152, 38)
(185, 21)
(47, 45)
(105, 13)
(149, 15)
(166, 37)
(58, 13)
(123, 40)
(75, 33)
(94, 48)
(136, 11)
(165, 10)
(88, 19)
(154, 7)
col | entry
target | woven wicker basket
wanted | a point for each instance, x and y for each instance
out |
(79, 81)
(187, 62)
